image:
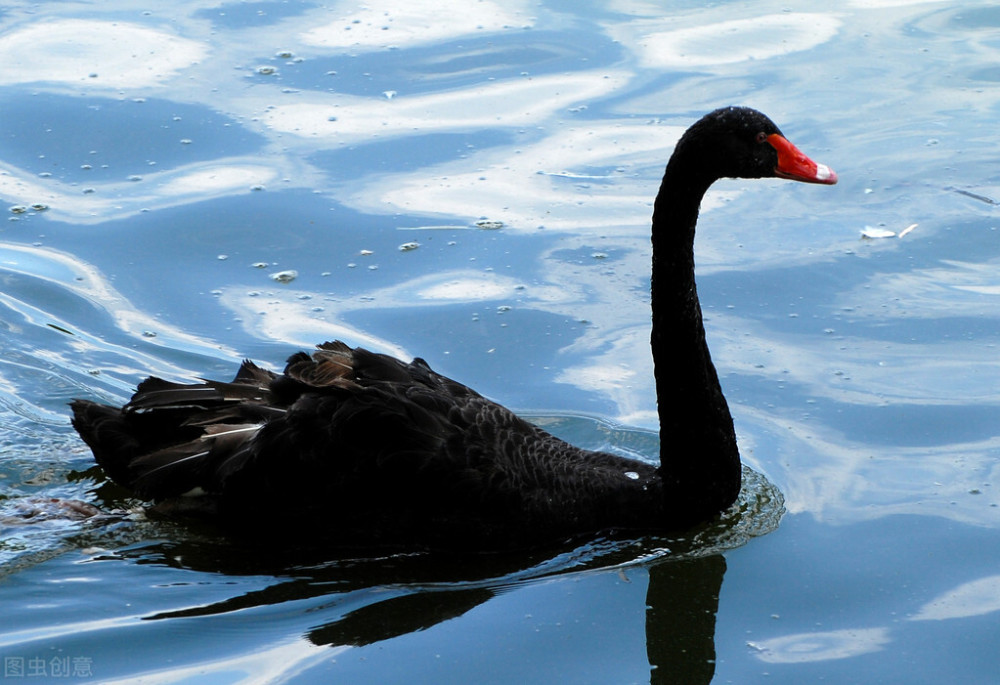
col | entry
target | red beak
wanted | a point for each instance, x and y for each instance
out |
(796, 166)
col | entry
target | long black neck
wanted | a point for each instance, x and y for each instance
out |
(699, 459)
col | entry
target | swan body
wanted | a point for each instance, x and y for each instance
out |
(358, 448)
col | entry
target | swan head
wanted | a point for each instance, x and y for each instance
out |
(740, 142)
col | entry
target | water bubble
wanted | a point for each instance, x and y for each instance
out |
(257, 187)
(39, 207)
(489, 224)
(260, 265)
(407, 247)
(149, 334)
(285, 276)
(267, 70)
(18, 209)
(284, 54)
(365, 253)
(389, 94)
(222, 257)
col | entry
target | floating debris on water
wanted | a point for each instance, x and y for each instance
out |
(975, 196)
(39, 207)
(407, 247)
(267, 70)
(285, 276)
(60, 329)
(260, 265)
(366, 253)
(489, 224)
(18, 209)
(872, 232)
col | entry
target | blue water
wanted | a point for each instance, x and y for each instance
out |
(162, 165)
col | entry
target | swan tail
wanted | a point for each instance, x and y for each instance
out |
(172, 439)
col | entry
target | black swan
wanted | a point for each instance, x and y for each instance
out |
(358, 448)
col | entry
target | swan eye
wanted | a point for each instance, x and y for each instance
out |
(761, 137)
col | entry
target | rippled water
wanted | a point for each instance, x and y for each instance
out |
(472, 183)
